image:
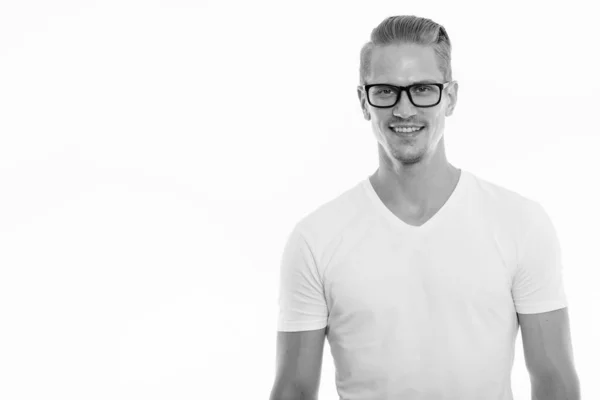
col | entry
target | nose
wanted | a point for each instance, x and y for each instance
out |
(404, 108)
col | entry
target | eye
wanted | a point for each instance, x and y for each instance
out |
(423, 88)
(383, 91)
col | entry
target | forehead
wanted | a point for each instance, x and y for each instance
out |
(403, 64)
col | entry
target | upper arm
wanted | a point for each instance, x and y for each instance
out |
(299, 361)
(547, 343)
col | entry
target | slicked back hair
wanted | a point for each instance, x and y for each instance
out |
(412, 30)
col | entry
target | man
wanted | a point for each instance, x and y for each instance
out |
(421, 275)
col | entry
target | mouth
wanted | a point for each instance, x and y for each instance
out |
(406, 134)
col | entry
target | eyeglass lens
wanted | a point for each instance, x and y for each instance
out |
(422, 95)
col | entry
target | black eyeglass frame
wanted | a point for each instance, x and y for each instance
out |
(442, 86)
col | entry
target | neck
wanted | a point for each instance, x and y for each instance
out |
(417, 187)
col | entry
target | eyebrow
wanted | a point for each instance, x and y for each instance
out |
(424, 81)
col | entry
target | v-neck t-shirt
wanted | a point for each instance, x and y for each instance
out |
(421, 312)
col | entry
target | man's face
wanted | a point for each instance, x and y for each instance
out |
(402, 65)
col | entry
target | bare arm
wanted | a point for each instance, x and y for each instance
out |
(555, 387)
(299, 362)
(549, 355)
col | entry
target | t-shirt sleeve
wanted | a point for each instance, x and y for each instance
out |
(302, 304)
(538, 282)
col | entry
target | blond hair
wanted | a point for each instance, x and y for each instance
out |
(408, 29)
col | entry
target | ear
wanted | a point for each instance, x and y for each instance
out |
(363, 103)
(453, 95)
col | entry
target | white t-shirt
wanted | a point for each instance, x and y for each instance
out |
(426, 312)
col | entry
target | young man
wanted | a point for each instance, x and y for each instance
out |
(421, 275)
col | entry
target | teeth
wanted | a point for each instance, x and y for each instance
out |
(406, 130)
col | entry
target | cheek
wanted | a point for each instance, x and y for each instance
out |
(437, 122)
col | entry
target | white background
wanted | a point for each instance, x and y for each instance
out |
(154, 156)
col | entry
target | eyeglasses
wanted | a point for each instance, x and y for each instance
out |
(420, 94)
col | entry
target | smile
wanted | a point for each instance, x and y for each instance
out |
(406, 130)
